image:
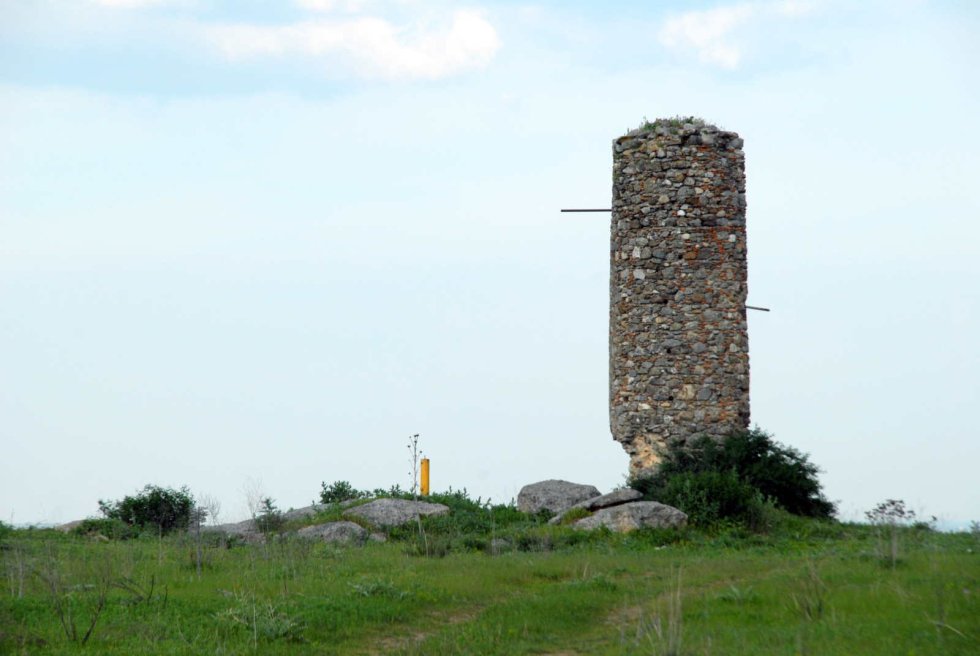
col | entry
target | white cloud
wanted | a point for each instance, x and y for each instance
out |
(713, 33)
(375, 46)
(707, 32)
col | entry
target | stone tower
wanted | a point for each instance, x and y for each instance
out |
(678, 340)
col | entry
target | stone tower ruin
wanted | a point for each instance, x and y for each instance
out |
(678, 339)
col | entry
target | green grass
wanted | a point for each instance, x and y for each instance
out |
(807, 588)
(674, 124)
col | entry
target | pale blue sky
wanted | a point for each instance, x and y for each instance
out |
(269, 240)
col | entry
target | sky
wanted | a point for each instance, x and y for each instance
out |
(257, 245)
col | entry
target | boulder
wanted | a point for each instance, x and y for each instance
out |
(309, 511)
(305, 511)
(614, 498)
(631, 516)
(395, 512)
(553, 495)
(246, 527)
(345, 532)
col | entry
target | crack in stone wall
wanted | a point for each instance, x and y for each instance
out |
(678, 339)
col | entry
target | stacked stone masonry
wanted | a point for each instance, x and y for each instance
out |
(678, 340)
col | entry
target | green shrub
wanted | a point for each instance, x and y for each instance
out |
(710, 496)
(270, 519)
(339, 491)
(779, 472)
(164, 509)
(732, 479)
(393, 492)
(114, 529)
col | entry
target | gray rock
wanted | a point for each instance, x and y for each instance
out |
(345, 532)
(306, 511)
(245, 527)
(614, 498)
(395, 512)
(631, 516)
(553, 495)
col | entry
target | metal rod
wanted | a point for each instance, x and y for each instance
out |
(678, 227)
(747, 307)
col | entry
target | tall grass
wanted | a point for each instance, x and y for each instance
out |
(805, 587)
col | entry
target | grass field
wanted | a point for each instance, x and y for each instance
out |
(808, 588)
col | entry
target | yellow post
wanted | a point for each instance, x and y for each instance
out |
(425, 477)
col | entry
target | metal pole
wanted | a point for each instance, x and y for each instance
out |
(425, 477)
(732, 227)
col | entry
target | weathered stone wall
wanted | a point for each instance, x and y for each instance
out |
(678, 341)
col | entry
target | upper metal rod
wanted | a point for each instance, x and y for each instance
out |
(747, 307)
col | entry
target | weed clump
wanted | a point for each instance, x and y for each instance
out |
(672, 125)
(573, 515)
(889, 518)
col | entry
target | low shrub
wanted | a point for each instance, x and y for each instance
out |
(339, 491)
(114, 529)
(270, 519)
(164, 509)
(710, 496)
(734, 479)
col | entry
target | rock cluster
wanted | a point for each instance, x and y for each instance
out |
(678, 341)
(614, 498)
(380, 513)
(631, 516)
(619, 510)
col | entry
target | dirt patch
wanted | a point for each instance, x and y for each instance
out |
(395, 643)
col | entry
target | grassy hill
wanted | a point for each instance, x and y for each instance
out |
(801, 587)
